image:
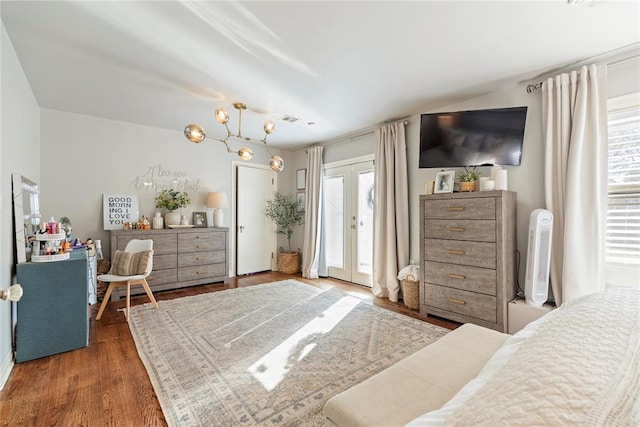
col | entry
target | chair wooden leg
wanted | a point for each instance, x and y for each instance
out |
(126, 313)
(105, 299)
(147, 289)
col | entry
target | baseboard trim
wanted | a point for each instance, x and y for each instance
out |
(5, 370)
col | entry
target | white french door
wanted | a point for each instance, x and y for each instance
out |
(348, 232)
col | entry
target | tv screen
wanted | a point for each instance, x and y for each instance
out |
(472, 138)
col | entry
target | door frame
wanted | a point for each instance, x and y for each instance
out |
(233, 229)
(351, 162)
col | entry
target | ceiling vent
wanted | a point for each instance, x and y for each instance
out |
(290, 119)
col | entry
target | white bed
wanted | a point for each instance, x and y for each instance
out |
(578, 365)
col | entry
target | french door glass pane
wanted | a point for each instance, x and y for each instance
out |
(334, 221)
(365, 222)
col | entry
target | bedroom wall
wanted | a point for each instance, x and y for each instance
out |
(85, 157)
(19, 153)
(526, 180)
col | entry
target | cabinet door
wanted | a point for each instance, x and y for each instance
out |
(52, 315)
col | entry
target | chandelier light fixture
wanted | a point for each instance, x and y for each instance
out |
(195, 133)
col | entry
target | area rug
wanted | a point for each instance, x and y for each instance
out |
(266, 355)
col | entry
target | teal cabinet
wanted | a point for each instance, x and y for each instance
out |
(53, 314)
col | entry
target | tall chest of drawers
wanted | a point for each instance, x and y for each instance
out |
(181, 257)
(467, 255)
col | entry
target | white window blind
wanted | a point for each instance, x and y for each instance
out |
(623, 211)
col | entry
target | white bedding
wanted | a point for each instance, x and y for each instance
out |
(578, 365)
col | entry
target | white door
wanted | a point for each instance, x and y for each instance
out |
(255, 239)
(348, 197)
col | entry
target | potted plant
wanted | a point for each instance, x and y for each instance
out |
(468, 178)
(172, 200)
(287, 213)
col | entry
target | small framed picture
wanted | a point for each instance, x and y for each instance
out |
(300, 198)
(444, 182)
(199, 219)
(301, 179)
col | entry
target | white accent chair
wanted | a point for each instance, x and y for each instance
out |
(135, 245)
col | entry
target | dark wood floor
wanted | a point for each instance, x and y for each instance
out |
(106, 384)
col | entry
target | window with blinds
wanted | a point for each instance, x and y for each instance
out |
(623, 211)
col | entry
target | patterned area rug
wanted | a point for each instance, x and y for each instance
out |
(266, 355)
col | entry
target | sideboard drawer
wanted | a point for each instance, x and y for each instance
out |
(471, 208)
(162, 244)
(161, 277)
(204, 241)
(462, 302)
(161, 262)
(482, 280)
(476, 254)
(201, 258)
(480, 231)
(201, 272)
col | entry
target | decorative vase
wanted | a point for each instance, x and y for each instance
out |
(468, 186)
(158, 222)
(172, 218)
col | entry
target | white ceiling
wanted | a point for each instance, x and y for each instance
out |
(345, 65)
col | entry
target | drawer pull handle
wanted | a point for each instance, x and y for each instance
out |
(202, 272)
(455, 252)
(203, 247)
(202, 237)
(456, 208)
(457, 229)
(456, 301)
(457, 276)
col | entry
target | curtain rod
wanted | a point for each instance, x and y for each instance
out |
(358, 134)
(535, 86)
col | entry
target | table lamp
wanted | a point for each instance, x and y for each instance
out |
(215, 202)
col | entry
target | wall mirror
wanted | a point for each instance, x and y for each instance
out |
(26, 214)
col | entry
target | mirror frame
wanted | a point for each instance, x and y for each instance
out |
(26, 213)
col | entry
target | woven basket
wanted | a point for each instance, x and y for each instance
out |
(411, 294)
(289, 262)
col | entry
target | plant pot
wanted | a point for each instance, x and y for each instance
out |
(468, 186)
(172, 218)
(289, 262)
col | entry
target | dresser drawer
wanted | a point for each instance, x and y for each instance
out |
(462, 302)
(201, 272)
(477, 254)
(205, 241)
(162, 243)
(162, 277)
(201, 258)
(161, 262)
(482, 280)
(478, 208)
(480, 230)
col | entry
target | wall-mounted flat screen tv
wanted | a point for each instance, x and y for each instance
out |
(472, 138)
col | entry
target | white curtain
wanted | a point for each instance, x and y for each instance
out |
(575, 137)
(311, 249)
(391, 211)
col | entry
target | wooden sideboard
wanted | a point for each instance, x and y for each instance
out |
(467, 255)
(181, 257)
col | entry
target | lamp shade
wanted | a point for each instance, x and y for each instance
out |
(217, 200)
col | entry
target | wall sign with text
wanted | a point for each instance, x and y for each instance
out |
(118, 209)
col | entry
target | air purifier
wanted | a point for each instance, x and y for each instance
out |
(536, 287)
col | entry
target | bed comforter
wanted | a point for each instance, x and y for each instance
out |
(578, 365)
